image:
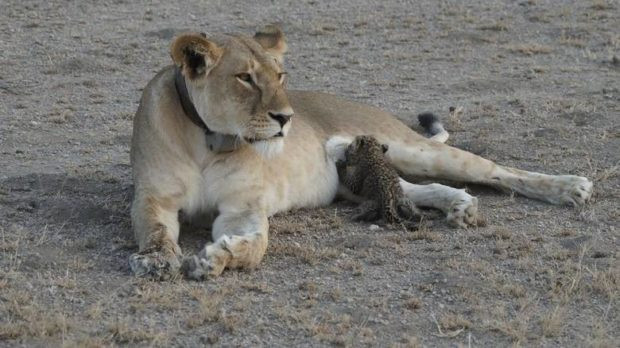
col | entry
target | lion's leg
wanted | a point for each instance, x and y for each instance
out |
(435, 160)
(461, 208)
(156, 227)
(240, 241)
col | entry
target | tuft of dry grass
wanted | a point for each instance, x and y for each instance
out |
(424, 235)
(334, 294)
(565, 232)
(309, 286)
(90, 342)
(499, 25)
(208, 308)
(513, 290)
(307, 254)
(601, 5)
(606, 282)
(600, 337)
(413, 303)
(37, 325)
(499, 233)
(552, 323)
(572, 41)
(94, 311)
(230, 321)
(258, 287)
(122, 332)
(409, 342)
(423, 232)
(530, 49)
(152, 294)
(337, 330)
(515, 329)
(453, 322)
(354, 266)
(25, 317)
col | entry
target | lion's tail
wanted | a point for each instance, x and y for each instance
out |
(433, 127)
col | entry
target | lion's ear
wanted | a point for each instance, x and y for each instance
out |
(271, 38)
(385, 148)
(194, 54)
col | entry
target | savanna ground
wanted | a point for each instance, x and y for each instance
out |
(535, 84)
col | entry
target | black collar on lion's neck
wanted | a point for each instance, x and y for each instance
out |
(217, 142)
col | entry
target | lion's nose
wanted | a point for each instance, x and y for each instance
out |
(282, 119)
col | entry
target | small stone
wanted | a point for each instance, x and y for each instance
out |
(374, 227)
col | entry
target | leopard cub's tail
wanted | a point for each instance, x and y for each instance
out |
(433, 127)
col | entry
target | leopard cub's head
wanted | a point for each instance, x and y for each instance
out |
(364, 147)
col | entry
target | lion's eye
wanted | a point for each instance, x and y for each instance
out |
(245, 77)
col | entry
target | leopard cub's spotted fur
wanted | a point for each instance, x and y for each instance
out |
(365, 172)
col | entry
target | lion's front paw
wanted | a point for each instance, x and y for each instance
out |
(155, 265)
(210, 262)
(196, 268)
(200, 268)
(463, 212)
(574, 190)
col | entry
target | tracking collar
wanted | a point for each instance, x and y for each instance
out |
(217, 142)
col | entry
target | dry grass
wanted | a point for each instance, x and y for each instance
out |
(408, 342)
(355, 267)
(513, 290)
(230, 321)
(530, 49)
(413, 303)
(567, 281)
(94, 311)
(36, 325)
(88, 342)
(514, 326)
(499, 25)
(600, 336)
(423, 232)
(305, 253)
(208, 308)
(602, 5)
(149, 294)
(553, 322)
(122, 332)
(499, 233)
(25, 317)
(258, 287)
(607, 282)
(452, 322)
(565, 232)
(572, 41)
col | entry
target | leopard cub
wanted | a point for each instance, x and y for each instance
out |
(371, 180)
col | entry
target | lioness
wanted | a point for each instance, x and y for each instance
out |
(217, 131)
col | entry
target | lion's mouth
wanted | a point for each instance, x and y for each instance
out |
(256, 140)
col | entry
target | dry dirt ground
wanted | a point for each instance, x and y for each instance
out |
(538, 83)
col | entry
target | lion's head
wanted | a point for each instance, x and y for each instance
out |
(236, 83)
